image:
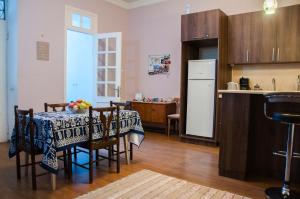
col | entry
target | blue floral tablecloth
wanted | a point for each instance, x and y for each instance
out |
(56, 131)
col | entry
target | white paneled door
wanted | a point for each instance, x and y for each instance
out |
(3, 93)
(108, 68)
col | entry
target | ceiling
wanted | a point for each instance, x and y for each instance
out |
(130, 1)
(130, 4)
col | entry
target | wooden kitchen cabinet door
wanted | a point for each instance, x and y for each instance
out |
(239, 38)
(144, 110)
(288, 34)
(263, 38)
(158, 113)
(193, 26)
(212, 18)
(200, 25)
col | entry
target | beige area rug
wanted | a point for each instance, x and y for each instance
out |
(148, 184)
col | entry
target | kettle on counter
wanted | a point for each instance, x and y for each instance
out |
(232, 86)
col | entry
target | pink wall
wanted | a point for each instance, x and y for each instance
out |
(153, 29)
(156, 29)
(41, 81)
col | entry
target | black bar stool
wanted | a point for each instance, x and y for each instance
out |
(291, 119)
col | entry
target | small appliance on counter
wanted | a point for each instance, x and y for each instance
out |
(139, 97)
(232, 86)
(244, 83)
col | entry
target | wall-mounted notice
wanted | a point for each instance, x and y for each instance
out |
(42, 49)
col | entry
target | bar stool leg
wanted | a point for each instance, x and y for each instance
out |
(289, 155)
(285, 191)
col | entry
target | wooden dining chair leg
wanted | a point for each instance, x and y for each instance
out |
(131, 151)
(69, 155)
(26, 162)
(90, 166)
(33, 171)
(97, 157)
(65, 162)
(169, 126)
(18, 165)
(118, 157)
(125, 140)
(53, 182)
(109, 152)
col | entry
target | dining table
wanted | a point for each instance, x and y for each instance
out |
(58, 131)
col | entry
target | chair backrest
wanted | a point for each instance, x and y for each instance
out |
(61, 106)
(122, 105)
(106, 117)
(279, 98)
(177, 101)
(21, 127)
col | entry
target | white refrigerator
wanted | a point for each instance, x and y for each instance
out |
(201, 98)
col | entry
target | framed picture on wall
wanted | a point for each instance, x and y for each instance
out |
(159, 64)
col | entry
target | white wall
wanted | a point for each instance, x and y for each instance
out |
(3, 109)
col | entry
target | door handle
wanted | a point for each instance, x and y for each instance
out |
(273, 54)
(278, 54)
(247, 56)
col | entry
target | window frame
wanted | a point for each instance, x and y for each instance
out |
(83, 13)
(4, 10)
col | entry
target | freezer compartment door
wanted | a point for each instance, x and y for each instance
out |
(202, 69)
(200, 108)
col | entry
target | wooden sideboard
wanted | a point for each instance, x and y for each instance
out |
(154, 114)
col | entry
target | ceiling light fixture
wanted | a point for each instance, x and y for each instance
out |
(270, 6)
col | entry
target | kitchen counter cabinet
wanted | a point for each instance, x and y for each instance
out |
(248, 139)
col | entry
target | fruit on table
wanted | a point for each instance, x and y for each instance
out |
(79, 104)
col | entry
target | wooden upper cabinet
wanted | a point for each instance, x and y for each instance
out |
(288, 34)
(257, 38)
(201, 25)
(239, 37)
(262, 38)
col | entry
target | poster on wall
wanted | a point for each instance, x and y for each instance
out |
(159, 64)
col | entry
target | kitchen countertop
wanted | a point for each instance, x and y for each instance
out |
(261, 92)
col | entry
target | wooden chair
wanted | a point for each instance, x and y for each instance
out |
(106, 142)
(25, 145)
(125, 106)
(174, 117)
(55, 108)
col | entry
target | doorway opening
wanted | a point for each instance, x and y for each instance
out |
(93, 62)
(80, 56)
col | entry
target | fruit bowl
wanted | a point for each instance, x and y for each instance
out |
(79, 106)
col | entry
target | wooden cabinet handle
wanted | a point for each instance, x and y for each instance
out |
(247, 56)
(278, 54)
(273, 54)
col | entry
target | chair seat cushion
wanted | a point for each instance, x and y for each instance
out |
(100, 144)
(286, 118)
(174, 116)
